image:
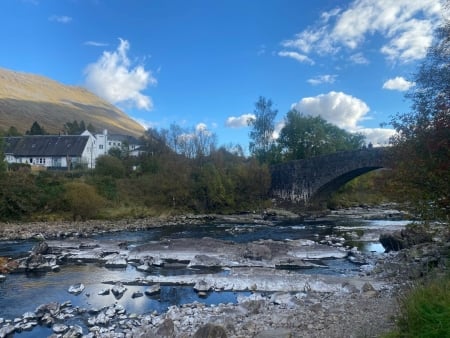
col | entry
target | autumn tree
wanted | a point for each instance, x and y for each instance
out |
(421, 149)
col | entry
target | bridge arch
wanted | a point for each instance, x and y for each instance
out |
(304, 182)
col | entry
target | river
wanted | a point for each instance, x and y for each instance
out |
(21, 292)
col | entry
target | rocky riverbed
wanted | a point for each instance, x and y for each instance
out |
(279, 302)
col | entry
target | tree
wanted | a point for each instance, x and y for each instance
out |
(82, 200)
(263, 125)
(36, 129)
(421, 149)
(108, 165)
(307, 136)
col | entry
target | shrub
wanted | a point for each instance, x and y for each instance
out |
(109, 166)
(425, 311)
(83, 201)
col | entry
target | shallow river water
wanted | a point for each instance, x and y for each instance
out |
(22, 292)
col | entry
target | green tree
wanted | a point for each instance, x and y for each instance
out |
(421, 151)
(307, 136)
(12, 131)
(36, 129)
(108, 165)
(262, 144)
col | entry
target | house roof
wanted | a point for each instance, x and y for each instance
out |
(46, 145)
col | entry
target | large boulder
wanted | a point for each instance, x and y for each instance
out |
(405, 238)
(210, 331)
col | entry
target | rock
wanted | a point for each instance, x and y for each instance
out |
(104, 292)
(75, 331)
(202, 286)
(210, 331)
(76, 289)
(51, 308)
(40, 249)
(367, 287)
(166, 329)
(59, 328)
(404, 238)
(205, 261)
(2, 278)
(118, 290)
(116, 261)
(6, 331)
(257, 252)
(154, 289)
(137, 294)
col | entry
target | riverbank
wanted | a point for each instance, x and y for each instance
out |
(281, 303)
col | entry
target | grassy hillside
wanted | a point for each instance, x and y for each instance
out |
(25, 98)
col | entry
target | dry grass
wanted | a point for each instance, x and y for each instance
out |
(25, 98)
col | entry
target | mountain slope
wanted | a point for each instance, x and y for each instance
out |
(25, 98)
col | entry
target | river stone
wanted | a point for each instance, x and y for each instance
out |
(40, 249)
(210, 331)
(116, 261)
(59, 328)
(202, 286)
(257, 252)
(118, 290)
(201, 261)
(2, 278)
(153, 290)
(137, 294)
(75, 331)
(6, 331)
(166, 329)
(104, 292)
(76, 289)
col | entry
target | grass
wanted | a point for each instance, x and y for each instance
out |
(425, 311)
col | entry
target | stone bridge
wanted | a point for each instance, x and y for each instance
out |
(312, 181)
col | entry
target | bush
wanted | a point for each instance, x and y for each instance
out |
(425, 311)
(82, 200)
(109, 166)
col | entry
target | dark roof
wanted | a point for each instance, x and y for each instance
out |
(46, 145)
(124, 138)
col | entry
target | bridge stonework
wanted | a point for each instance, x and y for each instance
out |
(309, 181)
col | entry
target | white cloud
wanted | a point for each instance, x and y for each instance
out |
(377, 136)
(398, 83)
(328, 78)
(278, 126)
(95, 44)
(338, 108)
(359, 58)
(240, 121)
(296, 56)
(60, 18)
(405, 25)
(115, 79)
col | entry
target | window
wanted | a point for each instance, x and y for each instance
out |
(100, 146)
(41, 160)
(31, 160)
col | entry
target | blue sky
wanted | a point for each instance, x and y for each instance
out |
(203, 64)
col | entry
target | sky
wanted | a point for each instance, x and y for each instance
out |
(203, 64)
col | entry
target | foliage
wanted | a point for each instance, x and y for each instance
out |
(108, 165)
(307, 136)
(36, 129)
(425, 311)
(18, 195)
(368, 189)
(12, 131)
(82, 200)
(421, 149)
(77, 128)
(262, 144)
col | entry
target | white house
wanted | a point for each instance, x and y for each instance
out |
(65, 151)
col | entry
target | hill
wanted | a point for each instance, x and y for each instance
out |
(25, 98)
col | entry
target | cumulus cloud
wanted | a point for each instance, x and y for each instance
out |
(398, 83)
(406, 28)
(240, 121)
(338, 108)
(114, 78)
(379, 137)
(296, 56)
(60, 18)
(328, 78)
